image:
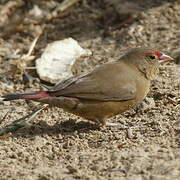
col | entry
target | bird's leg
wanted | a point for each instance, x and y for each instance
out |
(121, 126)
(103, 122)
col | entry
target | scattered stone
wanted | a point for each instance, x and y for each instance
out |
(58, 59)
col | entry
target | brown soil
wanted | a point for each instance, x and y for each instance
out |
(57, 145)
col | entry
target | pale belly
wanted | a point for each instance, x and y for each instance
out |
(101, 111)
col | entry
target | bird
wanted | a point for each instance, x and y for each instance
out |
(108, 90)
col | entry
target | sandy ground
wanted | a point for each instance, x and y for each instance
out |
(57, 145)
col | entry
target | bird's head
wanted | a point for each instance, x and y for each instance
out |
(147, 60)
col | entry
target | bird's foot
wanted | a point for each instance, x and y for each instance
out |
(120, 126)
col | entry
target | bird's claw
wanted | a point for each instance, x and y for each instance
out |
(121, 126)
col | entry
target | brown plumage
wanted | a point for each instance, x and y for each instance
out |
(108, 90)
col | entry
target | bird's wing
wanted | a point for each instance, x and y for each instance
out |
(109, 82)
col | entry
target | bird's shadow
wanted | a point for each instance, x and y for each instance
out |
(65, 128)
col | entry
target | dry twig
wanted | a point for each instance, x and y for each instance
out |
(66, 4)
(21, 63)
(17, 124)
(62, 8)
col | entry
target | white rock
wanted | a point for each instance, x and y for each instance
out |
(57, 61)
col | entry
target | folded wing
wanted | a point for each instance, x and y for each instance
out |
(109, 82)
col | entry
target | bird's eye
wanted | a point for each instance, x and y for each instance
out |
(151, 56)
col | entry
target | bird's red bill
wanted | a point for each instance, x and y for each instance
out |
(164, 58)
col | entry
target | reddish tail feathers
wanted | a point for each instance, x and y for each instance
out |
(28, 95)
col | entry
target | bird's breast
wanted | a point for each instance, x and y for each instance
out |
(142, 87)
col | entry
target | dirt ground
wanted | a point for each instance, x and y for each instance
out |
(56, 145)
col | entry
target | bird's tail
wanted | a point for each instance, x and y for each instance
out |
(27, 95)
